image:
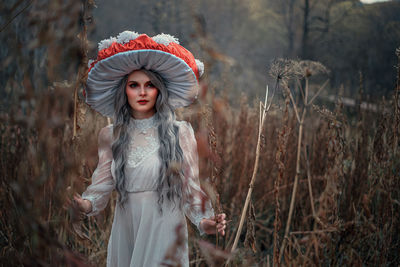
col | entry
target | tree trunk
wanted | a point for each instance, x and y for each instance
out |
(304, 39)
(290, 29)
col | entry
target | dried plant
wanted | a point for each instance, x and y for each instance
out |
(264, 107)
(280, 161)
(296, 71)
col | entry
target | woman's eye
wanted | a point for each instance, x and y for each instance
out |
(133, 85)
(150, 85)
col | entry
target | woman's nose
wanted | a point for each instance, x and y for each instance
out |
(142, 91)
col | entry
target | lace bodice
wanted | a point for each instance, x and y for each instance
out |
(144, 141)
(143, 165)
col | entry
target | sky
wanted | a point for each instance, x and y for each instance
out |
(372, 1)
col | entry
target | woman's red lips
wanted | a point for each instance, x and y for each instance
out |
(143, 102)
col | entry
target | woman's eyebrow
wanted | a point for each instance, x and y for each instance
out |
(129, 81)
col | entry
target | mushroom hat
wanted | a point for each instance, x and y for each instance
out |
(129, 51)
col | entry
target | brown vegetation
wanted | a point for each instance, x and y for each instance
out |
(345, 166)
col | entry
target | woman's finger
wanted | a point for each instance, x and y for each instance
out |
(221, 227)
(67, 204)
(221, 217)
(221, 231)
(223, 223)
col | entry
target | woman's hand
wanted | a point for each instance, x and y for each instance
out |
(79, 204)
(76, 207)
(210, 225)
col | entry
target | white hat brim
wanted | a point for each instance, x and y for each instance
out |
(106, 75)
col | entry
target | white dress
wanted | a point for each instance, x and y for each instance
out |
(140, 235)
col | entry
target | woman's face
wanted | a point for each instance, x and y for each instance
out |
(142, 95)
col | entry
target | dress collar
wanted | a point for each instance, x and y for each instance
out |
(143, 124)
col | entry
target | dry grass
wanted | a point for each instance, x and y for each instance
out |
(344, 211)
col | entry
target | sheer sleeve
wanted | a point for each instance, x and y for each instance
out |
(98, 193)
(196, 203)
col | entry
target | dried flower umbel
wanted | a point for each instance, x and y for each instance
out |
(285, 70)
(295, 72)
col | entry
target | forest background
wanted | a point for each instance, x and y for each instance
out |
(327, 186)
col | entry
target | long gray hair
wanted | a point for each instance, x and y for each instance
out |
(170, 152)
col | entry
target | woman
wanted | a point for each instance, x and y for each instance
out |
(146, 155)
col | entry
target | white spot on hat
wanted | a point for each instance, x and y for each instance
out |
(165, 39)
(107, 43)
(200, 67)
(126, 36)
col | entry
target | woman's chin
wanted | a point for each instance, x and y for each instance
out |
(143, 112)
